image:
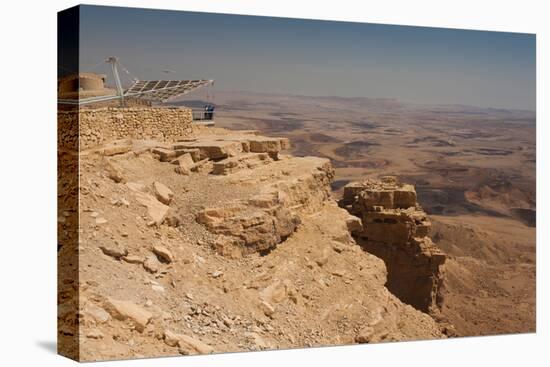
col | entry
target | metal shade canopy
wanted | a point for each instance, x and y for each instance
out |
(149, 90)
(163, 90)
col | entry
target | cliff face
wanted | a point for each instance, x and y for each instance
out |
(261, 221)
(395, 228)
(220, 242)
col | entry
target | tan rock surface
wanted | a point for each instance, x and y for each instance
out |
(163, 253)
(156, 210)
(187, 344)
(162, 193)
(271, 222)
(123, 310)
(396, 229)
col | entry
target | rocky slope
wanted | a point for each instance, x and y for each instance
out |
(493, 290)
(218, 243)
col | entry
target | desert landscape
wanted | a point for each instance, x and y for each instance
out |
(296, 222)
(473, 169)
(231, 187)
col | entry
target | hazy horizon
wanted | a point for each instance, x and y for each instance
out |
(315, 58)
(199, 94)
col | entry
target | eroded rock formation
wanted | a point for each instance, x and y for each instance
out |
(395, 228)
(220, 242)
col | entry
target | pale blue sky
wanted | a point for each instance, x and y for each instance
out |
(319, 58)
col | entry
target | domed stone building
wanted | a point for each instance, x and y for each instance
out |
(83, 85)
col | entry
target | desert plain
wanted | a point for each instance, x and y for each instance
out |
(474, 170)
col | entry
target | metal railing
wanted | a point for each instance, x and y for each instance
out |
(202, 115)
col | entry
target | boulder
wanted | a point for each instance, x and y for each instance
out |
(95, 315)
(184, 164)
(165, 155)
(114, 249)
(267, 308)
(162, 193)
(171, 339)
(126, 310)
(151, 264)
(187, 344)
(163, 254)
(156, 210)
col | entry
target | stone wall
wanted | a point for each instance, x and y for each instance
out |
(101, 125)
(67, 130)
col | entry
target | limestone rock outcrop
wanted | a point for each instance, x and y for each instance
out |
(260, 222)
(151, 280)
(256, 225)
(396, 229)
(244, 161)
(218, 148)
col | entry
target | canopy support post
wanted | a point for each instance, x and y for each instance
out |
(114, 61)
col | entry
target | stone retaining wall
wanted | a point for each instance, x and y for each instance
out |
(101, 125)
